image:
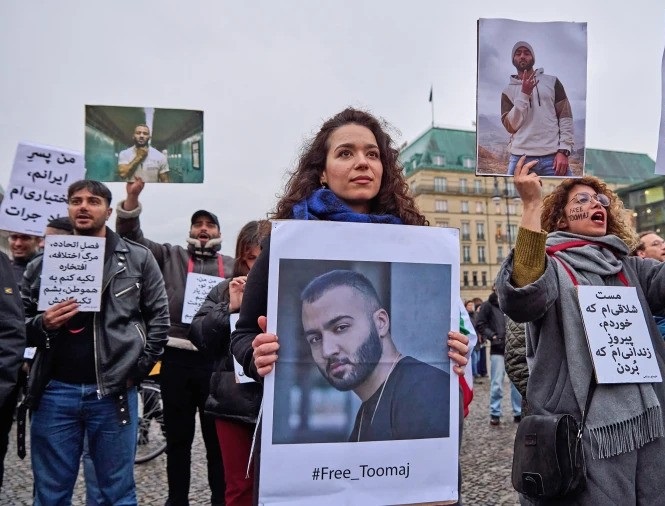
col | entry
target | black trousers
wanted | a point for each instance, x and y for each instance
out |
(6, 420)
(184, 390)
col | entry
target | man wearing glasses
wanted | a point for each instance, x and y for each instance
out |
(651, 246)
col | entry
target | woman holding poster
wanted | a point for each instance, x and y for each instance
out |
(234, 406)
(349, 173)
(579, 235)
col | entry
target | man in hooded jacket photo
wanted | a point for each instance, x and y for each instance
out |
(537, 114)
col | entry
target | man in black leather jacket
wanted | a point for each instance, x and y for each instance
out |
(12, 344)
(87, 363)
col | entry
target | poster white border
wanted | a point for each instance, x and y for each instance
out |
(433, 463)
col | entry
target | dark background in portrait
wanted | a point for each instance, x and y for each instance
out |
(110, 129)
(307, 409)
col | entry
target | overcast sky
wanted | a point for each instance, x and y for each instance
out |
(268, 72)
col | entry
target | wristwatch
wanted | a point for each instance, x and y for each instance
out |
(564, 151)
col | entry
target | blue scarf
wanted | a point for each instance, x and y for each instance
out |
(323, 204)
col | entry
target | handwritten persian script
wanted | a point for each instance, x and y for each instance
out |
(196, 290)
(72, 268)
(618, 336)
(38, 184)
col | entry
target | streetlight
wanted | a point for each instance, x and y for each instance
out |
(505, 194)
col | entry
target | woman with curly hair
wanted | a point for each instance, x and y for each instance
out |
(349, 172)
(579, 235)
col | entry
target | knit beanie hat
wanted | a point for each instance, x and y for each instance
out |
(521, 43)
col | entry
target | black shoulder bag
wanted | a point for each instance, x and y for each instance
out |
(548, 459)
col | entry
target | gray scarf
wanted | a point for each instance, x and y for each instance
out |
(622, 417)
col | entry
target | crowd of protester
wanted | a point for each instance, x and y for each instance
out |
(528, 315)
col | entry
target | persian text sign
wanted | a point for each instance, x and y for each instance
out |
(73, 268)
(618, 336)
(196, 290)
(38, 185)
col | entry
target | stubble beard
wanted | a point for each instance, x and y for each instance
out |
(363, 364)
(94, 229)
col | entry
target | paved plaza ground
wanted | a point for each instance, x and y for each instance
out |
(486, 458)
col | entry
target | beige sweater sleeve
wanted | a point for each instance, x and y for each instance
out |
(529, 258)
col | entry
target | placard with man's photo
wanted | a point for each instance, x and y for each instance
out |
(155, 144)
(363, 400)
(531, 97)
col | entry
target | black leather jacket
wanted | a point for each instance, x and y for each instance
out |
(129, 331)
(12, 330)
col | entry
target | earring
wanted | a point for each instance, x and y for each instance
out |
(324, 185)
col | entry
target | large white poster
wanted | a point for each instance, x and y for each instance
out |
(38, 185)
(363, 403)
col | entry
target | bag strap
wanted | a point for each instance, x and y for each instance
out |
(220, 265)
(589, 395)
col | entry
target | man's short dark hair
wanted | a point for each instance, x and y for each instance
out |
(321, 284)
(61, 223)
(94, 187)
(640, 245)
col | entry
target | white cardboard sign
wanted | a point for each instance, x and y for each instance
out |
(241, 377)
(617, 333)
(37, 190)
(196, 290)
(73, 267)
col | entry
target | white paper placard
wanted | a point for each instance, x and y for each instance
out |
(241, 377)
(37, 190)
(308, 421)
(72, 268)
(618, 336)
(196, 290)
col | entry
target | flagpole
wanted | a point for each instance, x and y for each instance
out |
(431, 101)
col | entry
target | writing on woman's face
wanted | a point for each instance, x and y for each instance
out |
(584, 214)
(353, 166)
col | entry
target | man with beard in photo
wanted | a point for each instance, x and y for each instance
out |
(185, 371)
(536, 113)
(348, 332)
(143, 161)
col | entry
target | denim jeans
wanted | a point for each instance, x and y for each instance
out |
(544, 167)
(497, 375)
(66, 413)
(475, 358)
(93, 496)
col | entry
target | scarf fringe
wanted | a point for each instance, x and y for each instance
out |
(628, 435)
